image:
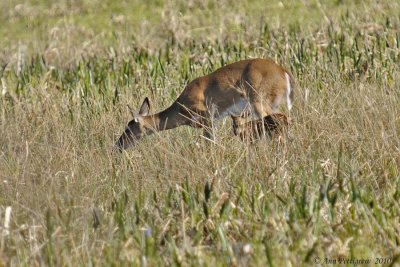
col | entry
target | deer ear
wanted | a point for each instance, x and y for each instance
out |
(145, 108)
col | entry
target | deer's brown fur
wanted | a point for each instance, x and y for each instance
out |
(253, 86)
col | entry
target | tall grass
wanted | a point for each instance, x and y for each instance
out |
(332, 192)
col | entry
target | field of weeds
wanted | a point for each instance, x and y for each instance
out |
(69, 68)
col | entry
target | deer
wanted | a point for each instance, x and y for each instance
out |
(252, 87)
(274, 125)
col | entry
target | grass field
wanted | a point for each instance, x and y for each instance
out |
(330, 197)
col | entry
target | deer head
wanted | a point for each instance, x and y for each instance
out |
(136, 128)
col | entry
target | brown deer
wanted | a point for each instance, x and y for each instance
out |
(274, 126)
(255, 87)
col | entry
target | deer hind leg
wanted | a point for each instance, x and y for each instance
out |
(260, 104)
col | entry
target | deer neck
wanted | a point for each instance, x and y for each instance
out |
(167, 119)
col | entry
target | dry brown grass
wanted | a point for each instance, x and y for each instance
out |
(333, 191)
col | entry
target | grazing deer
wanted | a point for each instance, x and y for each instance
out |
(274, 125)
(255, 87)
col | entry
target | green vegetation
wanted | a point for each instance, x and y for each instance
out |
(68, 70)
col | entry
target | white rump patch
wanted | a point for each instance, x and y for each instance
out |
(288, 91)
